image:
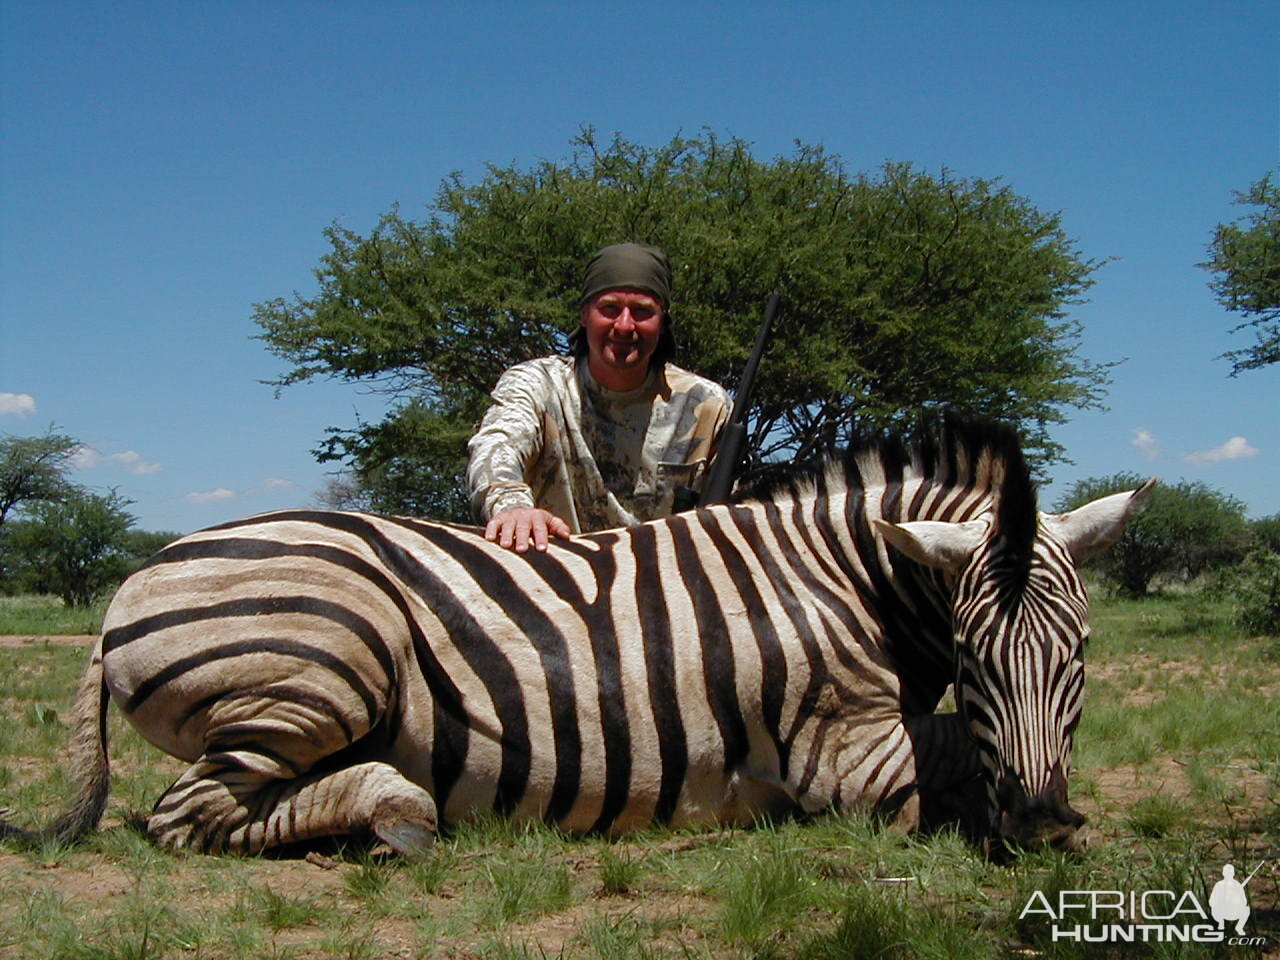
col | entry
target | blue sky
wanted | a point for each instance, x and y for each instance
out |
(165, 166)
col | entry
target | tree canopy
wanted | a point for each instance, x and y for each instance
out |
(902, 292)
(1245, 261)
(75, 548)
(34, 469)
(56, 536)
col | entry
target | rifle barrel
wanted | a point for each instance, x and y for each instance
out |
(733, 435)
(743, 397)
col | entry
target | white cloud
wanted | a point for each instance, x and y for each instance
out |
(1146, 444)
(23, 404)
(86, 457)
(210, 496)
(218, 494)
(133, 462)
(1237, 448)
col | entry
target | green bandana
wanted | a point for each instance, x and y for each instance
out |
(629, 266)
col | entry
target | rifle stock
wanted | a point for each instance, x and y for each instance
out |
(733, 436)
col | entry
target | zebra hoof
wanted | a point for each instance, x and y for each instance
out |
(406, 838)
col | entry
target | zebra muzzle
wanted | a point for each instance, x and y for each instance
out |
(1046, 819)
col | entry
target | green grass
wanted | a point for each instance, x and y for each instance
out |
(277, 911)
(1157, 815)
(624, 938)
(619, 872)
(43, 615)
(1181, 712)
(522, 883)
(767, 891)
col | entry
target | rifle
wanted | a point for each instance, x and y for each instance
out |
(733, 436)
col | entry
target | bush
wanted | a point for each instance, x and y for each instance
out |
(1265, 533)
(1187, 529)
(1255, 586)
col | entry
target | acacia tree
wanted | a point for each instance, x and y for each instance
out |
(76, 547)
(902, 292)
(1245, 258)
(34, 469)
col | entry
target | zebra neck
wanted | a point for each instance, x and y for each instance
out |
(904, 607)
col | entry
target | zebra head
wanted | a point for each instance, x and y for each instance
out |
(1020, 622)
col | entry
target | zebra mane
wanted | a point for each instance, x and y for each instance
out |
(950, 451)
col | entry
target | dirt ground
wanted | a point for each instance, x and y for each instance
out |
(32, 640)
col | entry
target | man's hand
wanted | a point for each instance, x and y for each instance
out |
(518, 527)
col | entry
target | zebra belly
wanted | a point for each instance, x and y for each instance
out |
(738, 796)
(619, 776)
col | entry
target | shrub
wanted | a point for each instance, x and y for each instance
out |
(1187, 529)
(1265, 532)
(1255, 586)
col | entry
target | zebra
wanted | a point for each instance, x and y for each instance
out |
(329, 673)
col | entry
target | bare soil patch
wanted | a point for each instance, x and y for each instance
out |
(47, 640)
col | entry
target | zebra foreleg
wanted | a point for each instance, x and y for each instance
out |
(874, 768)
(949, 774)
(221, 804)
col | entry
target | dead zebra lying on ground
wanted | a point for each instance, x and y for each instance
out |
(326, 673)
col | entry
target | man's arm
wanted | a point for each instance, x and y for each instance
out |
(508, 441)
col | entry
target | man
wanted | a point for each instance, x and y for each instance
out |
(605, 437)
(1228, 901)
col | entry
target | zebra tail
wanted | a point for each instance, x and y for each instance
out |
(88, 763)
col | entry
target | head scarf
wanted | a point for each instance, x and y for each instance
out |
(629, 266)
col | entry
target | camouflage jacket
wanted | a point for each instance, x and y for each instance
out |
(556, 439)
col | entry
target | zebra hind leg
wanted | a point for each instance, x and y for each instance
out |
(228, 803)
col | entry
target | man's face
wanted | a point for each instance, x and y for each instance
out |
(623, 328)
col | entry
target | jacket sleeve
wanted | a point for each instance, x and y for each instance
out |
(507, 443)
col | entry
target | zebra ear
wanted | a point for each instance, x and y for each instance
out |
(934, 543)
(1097, 525)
